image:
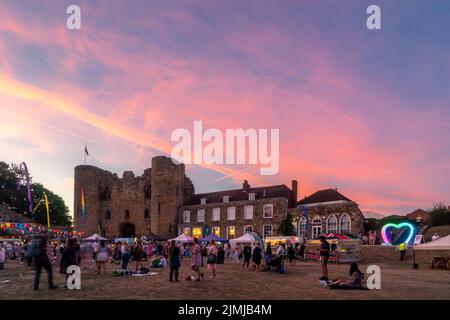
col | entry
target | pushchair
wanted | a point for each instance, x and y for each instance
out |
(276, 263)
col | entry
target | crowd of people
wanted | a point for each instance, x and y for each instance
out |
(42, 254)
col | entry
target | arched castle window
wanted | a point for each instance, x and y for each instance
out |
(146, 214)
(332, 224)
(107, 215)
(127, 214)
(317, 220)
(345, 224)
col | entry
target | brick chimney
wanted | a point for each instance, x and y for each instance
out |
(295, 190)
(246, 186)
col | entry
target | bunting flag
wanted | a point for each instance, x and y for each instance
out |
(83, 206)
(48, 210)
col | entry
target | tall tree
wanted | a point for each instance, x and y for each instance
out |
(17, 200)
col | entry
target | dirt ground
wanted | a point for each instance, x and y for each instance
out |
(398, 281)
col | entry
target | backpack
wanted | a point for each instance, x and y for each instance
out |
(34, 249)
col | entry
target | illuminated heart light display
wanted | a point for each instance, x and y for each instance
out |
(387, 234)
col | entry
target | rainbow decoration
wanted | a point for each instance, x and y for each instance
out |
(387, 235)
(83, 206)
(23, 167)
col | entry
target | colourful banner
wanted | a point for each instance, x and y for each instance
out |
(83, 206)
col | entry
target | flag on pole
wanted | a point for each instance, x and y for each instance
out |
(86, 150)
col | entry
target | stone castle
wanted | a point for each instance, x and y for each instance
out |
(129, 206)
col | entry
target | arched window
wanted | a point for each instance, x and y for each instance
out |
(332, 224)
(317, 220)
(303, 228)
(345, 224)
(127, 214)
(146, 214)
(108, 215)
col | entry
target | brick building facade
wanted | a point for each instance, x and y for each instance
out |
(327, 211)
(230, 214)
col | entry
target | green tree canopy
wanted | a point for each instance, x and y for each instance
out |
(17, 200)
(286, 227)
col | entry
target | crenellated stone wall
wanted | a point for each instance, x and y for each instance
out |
(131, 205)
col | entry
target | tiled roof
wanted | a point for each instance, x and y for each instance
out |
(325, 195)
(240, 194)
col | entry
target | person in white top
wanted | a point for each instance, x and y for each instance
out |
(435, 237)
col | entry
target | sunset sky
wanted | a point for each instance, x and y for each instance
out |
(364, 111)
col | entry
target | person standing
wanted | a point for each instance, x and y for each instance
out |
(247, 253)
(41, 260)
(174, 260)
(137, 255)
(68, 258)
(101, 257)
(197, 259)
(213, 252)
(291, 253)
(324, 255)
(124, 255)
(268, 253)
(256, 256)
(402, 250)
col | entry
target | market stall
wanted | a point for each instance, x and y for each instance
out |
(277, 241)
(435, 252)
(250, 237)
(343, 249)
(213, 236)
(95, 237)
(182, 238)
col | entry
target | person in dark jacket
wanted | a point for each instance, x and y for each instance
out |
(174, 260)
(68, 258)
(42, 261)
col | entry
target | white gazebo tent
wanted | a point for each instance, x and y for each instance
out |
(95, 237)
(246, 238)
(442, 244)
(182, 238)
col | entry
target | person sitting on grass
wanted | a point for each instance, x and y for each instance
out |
(355, 282)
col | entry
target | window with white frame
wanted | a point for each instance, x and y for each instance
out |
(186, 216)
(332, 224)
(203, 201)
(268, 210)
(248, 229)
(231, 213)
(216, 214)
(248, 212)
(345, 224)
(226, 199)
(201, 215)
(251, 196)
(303, 228)
(267, 230)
